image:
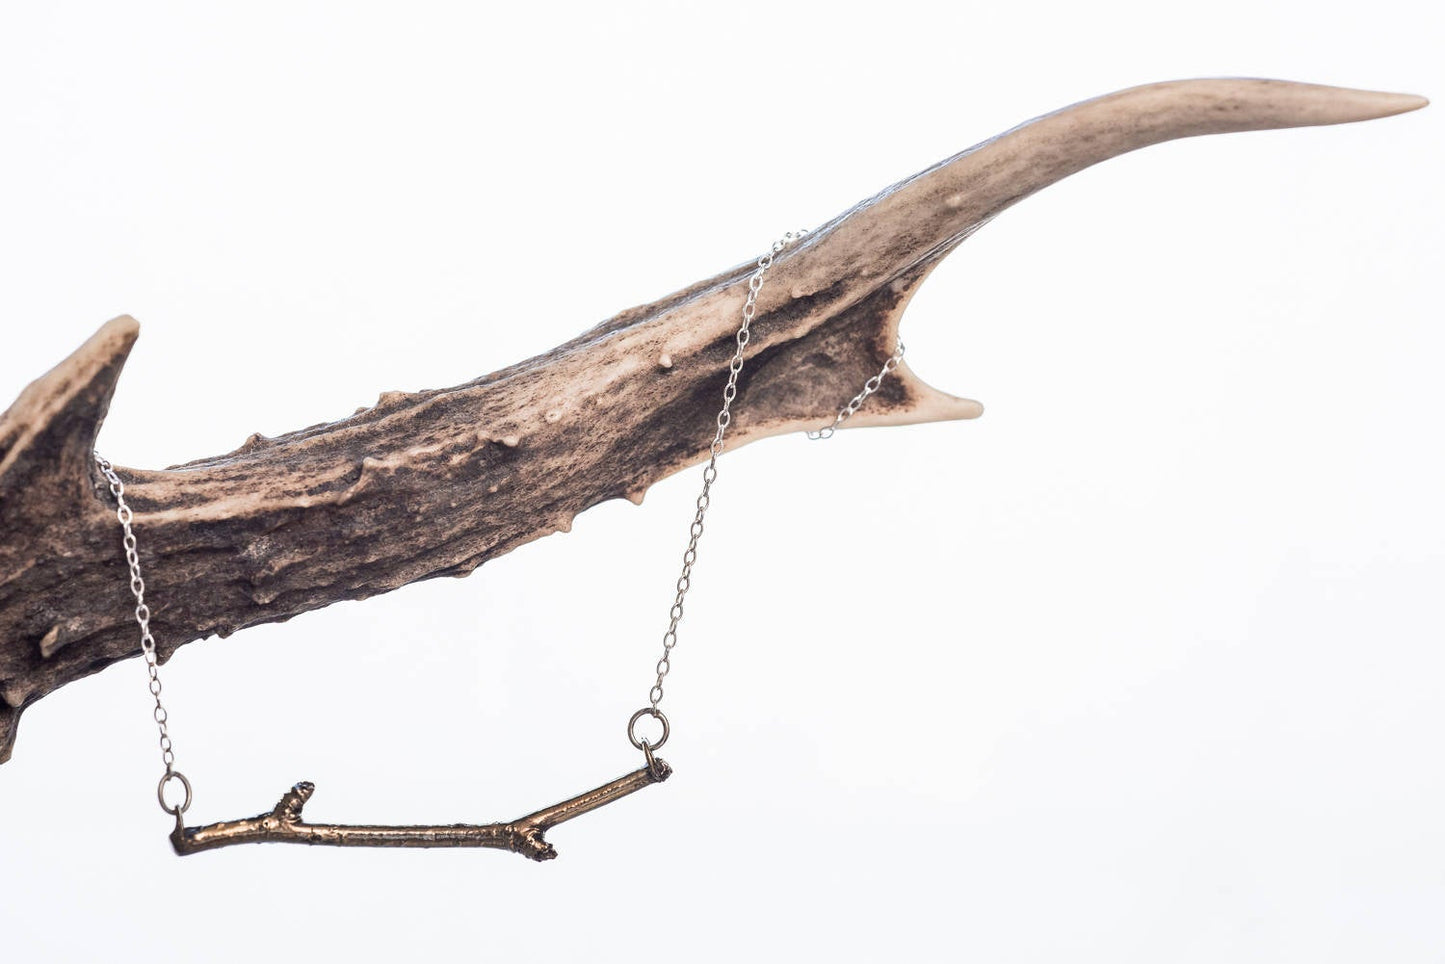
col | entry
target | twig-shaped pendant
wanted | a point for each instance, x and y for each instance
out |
(524, 836)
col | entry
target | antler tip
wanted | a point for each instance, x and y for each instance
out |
(1322, 104)
(1381, 103)
(123, 325)
(1409, 102)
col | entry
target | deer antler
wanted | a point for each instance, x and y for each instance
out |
(458, 476)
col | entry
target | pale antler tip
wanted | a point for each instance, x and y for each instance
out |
(1382, 103)
(1343, 105)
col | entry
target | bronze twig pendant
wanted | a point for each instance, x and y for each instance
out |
(524, 835)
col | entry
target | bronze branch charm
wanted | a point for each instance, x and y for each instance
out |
(283, 824)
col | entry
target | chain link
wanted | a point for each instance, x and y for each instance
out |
(709, 472)
(147, 641)
(689, 557)
(869, 387)
(709, 475)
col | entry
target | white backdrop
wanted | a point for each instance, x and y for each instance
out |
(1145, 664)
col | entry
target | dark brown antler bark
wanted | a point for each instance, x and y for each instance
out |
(457, 476)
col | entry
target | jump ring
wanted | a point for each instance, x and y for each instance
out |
(656, 714)
(161, 792)
(653, 766)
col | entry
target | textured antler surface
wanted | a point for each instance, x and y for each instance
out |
(457, 476)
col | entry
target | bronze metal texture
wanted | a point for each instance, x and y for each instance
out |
(283, 824)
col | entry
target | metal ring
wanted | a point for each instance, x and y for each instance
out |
(161, 792)
(656, 714)
(653, 766)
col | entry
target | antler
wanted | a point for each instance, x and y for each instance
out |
(458, 476)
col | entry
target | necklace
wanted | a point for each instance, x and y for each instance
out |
(525, 835)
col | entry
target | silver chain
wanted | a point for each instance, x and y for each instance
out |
(869, 387)
(709, 476)
(147, 641)
(684, 581)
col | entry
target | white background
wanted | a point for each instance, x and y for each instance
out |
(1143, 665)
